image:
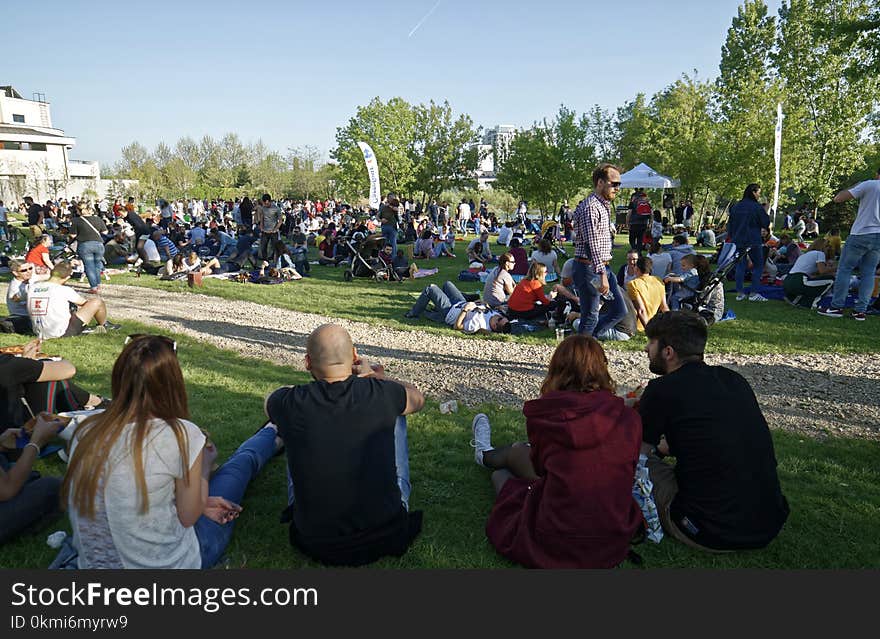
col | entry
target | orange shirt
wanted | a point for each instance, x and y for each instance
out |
(525, 294)
(35, 255)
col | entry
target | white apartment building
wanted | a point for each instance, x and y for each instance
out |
(493, 151)
(34, 156)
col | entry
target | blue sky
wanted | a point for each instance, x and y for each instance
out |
(291, 72)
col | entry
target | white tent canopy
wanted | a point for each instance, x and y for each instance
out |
(644, 177)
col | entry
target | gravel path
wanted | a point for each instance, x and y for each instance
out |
(818, 394)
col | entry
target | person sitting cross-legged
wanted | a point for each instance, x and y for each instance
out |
(564, 499)
(347, 456)
(49, 307)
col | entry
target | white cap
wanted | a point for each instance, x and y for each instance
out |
(576, 324)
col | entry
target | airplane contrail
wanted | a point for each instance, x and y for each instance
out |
(422, 21)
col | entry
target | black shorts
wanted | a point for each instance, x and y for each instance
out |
(74, 326)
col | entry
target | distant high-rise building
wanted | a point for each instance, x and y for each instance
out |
(493, 151)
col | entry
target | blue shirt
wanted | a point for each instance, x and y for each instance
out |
(166, 247)
(747, 218)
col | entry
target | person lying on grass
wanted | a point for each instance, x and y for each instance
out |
(451, 308)
(139, 487)
(564, 499)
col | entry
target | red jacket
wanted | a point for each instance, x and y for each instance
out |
(580, 513)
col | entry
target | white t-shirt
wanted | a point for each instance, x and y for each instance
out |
(547, 259)
(120, 535)
(3, 212)
(473, 321)
(464, 211)
(49, 308)
(807, 263)
(504, 235)
(152, 251)
(868, 218)
(662, 262)
(17, 288)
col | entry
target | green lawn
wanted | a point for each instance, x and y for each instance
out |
(770, 327)
(833, 485)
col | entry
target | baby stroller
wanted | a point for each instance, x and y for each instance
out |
(699, 301)
(365, 261)
(550, 232)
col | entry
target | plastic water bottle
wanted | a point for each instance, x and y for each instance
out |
(551, 323)
(560, 334)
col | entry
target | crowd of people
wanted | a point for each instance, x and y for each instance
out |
(142, 489)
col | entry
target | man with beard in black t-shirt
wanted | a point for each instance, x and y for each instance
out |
(723, 493)
(348, 464)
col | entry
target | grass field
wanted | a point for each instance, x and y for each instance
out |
(770, 327)
(833, 486)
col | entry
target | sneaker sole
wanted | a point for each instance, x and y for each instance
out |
(831, 315)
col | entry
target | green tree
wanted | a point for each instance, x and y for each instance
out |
(829, 111)
(444, 152)
(550, 162)
(634, 136)
(389, 129)
(683, 133)
(747, 91)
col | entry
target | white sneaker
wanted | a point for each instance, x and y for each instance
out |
(757, 297)
(741, 297)
(482, 440)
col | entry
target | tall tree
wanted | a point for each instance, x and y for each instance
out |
(747, 91)
(635, 133)
(550, 162)
(830, 110)
(389, 129)
(444, 151)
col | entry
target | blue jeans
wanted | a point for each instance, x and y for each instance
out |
(389, 232)
(443, 300)
(401, 462)
(756, 254)
(92, 255)
(476, 227)
(230, 481)
(585, 282)
(612, 335)
(860, 252)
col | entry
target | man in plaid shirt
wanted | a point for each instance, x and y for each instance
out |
(591, 274)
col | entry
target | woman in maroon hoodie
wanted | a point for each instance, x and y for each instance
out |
(565, 497)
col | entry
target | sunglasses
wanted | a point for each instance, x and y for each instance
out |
(614, 185)
(136, 336)
(26, 270)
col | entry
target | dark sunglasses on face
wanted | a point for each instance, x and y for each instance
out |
(614, 185)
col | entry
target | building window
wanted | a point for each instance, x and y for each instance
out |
(10, 146)
(18, 117)
(33, 146)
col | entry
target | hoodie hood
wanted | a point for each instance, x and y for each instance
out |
(575, 419)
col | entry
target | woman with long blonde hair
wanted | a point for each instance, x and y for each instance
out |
(564, 499)
(528, 302)
(138, 487)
